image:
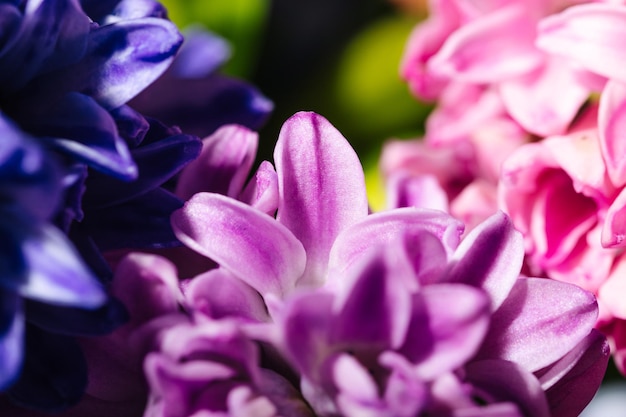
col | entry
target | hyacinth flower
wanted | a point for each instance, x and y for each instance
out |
(346, 309)
(41, 268)
(413, 331)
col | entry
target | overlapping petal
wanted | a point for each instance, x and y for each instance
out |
(227, 231)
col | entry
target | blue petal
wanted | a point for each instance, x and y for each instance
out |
(202, 54)
(11, 337)
(157, 162)
(122, 59)
(77, 321)
(53, 34)
(131, 125)
(28, 174)
(81, 128)
(54, 375)
(135, 9)
(56, 273)
(143, 222)
(200, 106)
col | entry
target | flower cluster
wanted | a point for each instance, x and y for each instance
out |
(273, 290)
(530, 108)
(82, 172)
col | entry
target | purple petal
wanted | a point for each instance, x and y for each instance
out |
(321, 187)
(223, 165)
(56, 273)
(262, 190)
(503, 381)
(379, 229)
(590, 34)
(611, 128)
(571, 383)
(217, 293)
(374, 310)
(448, 324)
(489, 257)
(157, 162)
(305, 323)
(131, 125)
(148, 286)
(407, 190)
(11, 338)
(540, 322)
(248, 243)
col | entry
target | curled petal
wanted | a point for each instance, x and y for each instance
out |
(218, 294)
(590, 34)
(492, 48)
(248, 243)
(262, 190)
(540, 322)
(381, 228)
(223, 164)
(321, 186)
(448, 324)
(504, 381)
(612, 127)
(571, 383)
(490, 257)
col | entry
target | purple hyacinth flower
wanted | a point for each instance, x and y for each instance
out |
(389, 313)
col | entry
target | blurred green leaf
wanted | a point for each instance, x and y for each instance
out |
(241, 22)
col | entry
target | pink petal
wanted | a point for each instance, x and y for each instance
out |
(590, 34)
(614, 228)
(248, 243)
(321, 186)
(545, 100)
(612, 128)
(223, 164)
(493, 48)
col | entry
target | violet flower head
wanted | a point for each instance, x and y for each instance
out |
(389, 313)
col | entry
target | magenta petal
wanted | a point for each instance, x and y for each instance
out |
(223, 164)
(248, 243)
(571, 383)
(504, 381)
(489, 257)
(612, 128)
(448, 326)
(591, 34)
(490, 49)
(262, 190)
(375, 310)
(305, 324)
(380, 229)
(614, 227)
(540, 322)
(321, 187)
(217, 293)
